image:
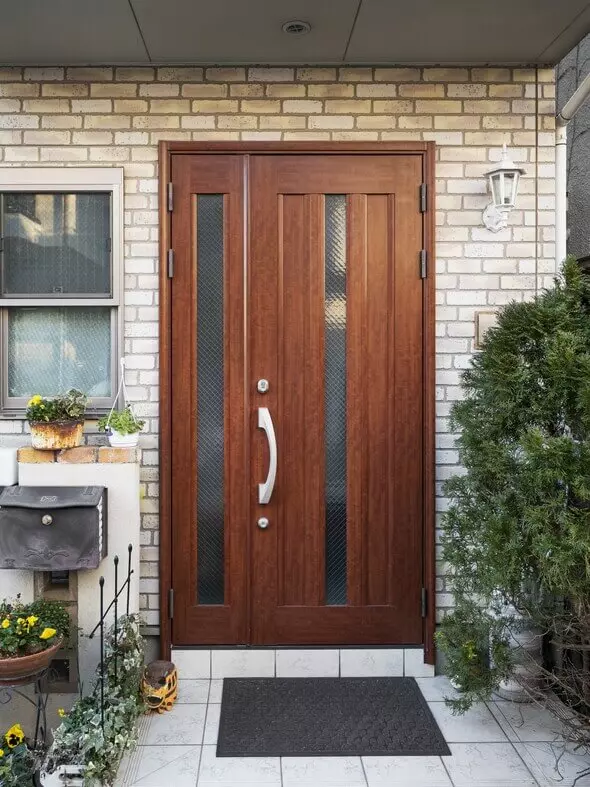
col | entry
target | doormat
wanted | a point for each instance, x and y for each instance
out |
(326, 717)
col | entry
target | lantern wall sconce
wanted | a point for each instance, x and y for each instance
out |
(503, 181)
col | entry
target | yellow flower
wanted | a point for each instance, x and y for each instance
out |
(35, 400)
(21, 621)
(32, 619)
(5, 623)
(1, 753)
(61, 713)
(47, 633)
(15, 736)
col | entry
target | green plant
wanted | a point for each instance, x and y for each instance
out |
(55, 614)
(80, 738)
(122, 421)
(17, 761)
(69, 406)
(31, 628)
(517, 532)
(477, 653)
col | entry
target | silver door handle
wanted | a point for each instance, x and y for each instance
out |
(265, 423)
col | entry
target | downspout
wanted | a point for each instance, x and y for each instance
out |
(562, 119)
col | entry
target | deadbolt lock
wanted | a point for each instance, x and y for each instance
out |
(263, 523)
(262, 386)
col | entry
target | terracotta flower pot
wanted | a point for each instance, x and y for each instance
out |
(21, 667)
(56, 434)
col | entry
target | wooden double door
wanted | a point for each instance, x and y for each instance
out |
(298, 419)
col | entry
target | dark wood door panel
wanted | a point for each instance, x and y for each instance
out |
(350, 452)
(300, 493)
(344, 625)
(196, 622)
(338, 174)
(383, 398)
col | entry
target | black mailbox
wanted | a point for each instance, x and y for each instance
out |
(53, 528)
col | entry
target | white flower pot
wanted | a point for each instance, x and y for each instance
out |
(118, 440)
(72, 775)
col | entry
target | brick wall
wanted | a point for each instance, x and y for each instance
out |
(116, 116)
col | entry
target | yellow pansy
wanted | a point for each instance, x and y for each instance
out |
(34, 400)
(5, 623)
(32, 619)
(47, 633)
(21, 621)
(61, 713)
(1, 753)
(15, 736)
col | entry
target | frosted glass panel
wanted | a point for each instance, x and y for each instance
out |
(335, 397)
(56, 244)
(53, 349)
(210, 387)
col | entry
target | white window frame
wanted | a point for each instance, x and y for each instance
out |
(70, 179)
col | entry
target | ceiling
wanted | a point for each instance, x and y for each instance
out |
(419, 32)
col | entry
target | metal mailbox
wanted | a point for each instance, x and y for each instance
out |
(57, 528)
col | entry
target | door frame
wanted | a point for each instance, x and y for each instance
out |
(427, 151)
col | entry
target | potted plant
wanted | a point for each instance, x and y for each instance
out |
(122, 428)
(30, 636)
(57, 422)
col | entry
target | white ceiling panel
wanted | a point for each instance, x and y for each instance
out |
(67, 32)
(466, 31)
(244, 31)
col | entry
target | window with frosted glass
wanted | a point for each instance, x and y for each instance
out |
(53, 349)
(59, 292)
(56, 245)
(335, 396)
(210, 399)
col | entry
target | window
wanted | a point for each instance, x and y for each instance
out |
(60, 283)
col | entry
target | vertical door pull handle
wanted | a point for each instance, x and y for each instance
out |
(265, 423)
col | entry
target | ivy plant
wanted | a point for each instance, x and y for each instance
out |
(81, 739)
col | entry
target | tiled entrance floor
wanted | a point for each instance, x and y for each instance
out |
(498, 745)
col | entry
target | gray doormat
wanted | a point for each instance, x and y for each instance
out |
(326, 717)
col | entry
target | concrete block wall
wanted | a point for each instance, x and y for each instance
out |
(116, 116)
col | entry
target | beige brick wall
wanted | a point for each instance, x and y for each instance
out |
(116, 116)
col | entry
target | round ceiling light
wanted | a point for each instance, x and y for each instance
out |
(296, 27)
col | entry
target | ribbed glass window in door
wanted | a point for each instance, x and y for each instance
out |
(210, 400)
(335, 396)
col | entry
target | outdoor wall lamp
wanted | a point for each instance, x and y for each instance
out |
(503, 182)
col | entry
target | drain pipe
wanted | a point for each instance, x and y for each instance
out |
(562, 119)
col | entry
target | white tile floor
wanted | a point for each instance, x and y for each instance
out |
(503, 745)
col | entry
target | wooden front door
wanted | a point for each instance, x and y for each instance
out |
(298, 441)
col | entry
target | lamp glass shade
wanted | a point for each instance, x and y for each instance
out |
(495, 188)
